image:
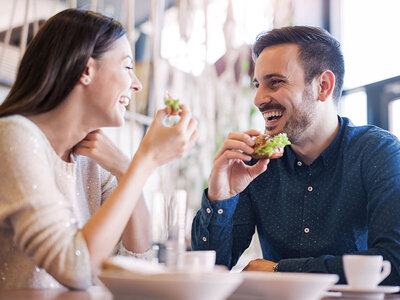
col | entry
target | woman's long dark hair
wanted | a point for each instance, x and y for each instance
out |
(56, 58)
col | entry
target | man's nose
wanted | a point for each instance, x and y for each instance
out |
(261, 98)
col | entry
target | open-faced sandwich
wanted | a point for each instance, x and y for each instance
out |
(271, 147)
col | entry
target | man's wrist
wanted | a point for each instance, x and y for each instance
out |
(275, 268)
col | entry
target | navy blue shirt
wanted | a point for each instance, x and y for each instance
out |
(307, 216)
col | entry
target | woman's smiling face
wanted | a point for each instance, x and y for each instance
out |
(112, 84)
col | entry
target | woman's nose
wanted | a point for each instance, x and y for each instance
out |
(136, 85)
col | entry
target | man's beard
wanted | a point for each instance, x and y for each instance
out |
(302, 117)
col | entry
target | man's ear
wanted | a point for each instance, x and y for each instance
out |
(326, 84)
(87, 75)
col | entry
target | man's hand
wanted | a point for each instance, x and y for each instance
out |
(260, 265)
(230, 174)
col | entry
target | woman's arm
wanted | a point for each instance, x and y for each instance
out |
(160, 145)
(96, 145)
(137, 234)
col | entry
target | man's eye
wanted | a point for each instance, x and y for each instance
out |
(256, 85)
(275, 82)
(129, 68)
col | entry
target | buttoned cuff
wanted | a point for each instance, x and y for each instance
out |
(220, 212)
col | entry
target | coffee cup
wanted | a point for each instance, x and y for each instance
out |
(365, 271)
(200, 261)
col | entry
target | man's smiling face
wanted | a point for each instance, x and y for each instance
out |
(283, 97)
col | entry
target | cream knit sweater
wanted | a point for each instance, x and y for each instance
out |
(44, 202)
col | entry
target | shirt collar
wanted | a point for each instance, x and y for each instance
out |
(329, 154)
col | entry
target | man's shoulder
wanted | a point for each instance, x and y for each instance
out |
(370, 138)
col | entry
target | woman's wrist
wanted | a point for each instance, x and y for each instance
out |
(144, 159)
(121, 168)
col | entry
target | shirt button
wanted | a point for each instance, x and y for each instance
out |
(310, 188)
(208, 210)
(204, 239)
(299, 163)
(220, 211)
(306, 230)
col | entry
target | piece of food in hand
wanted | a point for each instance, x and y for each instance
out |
(266, 146)
(172, 103)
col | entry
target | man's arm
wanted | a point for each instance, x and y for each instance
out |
(380, 172)
(226, 226)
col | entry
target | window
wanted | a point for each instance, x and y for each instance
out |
(354, 106)
(394, 117)
(368, 33)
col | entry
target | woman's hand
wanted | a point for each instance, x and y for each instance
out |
(102, 150)
(163, 144)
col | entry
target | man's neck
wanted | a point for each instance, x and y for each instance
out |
(317, 139)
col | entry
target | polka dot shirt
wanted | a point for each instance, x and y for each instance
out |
(307, 216)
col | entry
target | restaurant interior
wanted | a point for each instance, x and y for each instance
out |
(200, 52)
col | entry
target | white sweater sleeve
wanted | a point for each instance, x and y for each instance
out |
(32, 204)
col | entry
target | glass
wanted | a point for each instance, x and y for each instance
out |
(168, 227)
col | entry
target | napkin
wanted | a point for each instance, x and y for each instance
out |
(132, 264)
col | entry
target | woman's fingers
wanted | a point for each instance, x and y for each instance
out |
(186, 116)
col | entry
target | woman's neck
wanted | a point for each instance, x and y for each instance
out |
(63, 128)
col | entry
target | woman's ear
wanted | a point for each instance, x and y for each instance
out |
(326, 84)
(86, 77)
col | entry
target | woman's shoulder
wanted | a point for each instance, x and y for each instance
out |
(19, 134)
(17, 124)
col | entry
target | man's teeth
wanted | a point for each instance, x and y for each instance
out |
(124, 101)
(271, 114)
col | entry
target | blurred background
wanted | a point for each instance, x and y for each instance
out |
(200, 51)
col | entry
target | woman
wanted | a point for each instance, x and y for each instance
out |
(58, 169)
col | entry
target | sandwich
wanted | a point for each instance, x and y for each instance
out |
(266, 146)
(172, 104)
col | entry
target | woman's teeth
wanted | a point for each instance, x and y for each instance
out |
(124, 100)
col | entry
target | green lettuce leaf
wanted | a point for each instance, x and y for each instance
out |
(173, 102)
(279, 140)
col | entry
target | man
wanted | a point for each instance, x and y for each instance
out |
(335, 191)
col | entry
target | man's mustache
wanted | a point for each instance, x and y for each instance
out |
(270, 106)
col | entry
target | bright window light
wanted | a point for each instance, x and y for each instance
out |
(188, 52)
(394, 117)
(354, 107)
(369, 37)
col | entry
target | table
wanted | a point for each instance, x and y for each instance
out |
(98, 293)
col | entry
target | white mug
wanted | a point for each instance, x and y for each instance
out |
(365, 271)
(200, 261)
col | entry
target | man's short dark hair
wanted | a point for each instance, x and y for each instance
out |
(318, 51)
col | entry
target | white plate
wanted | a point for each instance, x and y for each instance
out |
(216, 285)
(284, 286)
(376, 293)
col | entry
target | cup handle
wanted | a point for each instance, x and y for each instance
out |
(386, 270)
